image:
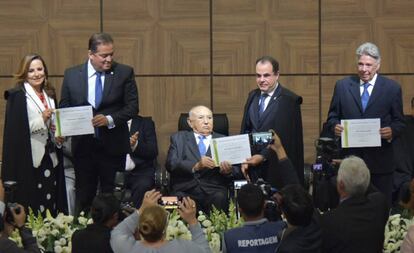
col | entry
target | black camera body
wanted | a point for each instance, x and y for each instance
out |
(271, 209)
(9, 189)
(324, 174)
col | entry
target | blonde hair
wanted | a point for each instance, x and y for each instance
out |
(153, 223)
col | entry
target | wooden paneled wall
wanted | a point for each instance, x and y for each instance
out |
(189, 52)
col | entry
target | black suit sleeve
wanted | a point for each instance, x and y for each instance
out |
(176, 162)
(334, 109)
(130, 99)
(147, 148)
(397, 117)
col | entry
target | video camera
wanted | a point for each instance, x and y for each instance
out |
(271, 210)
(9, 190)
(324, 174)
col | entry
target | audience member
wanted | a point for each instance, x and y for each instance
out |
(140, 162)
(96, 236)
(408, 243)
(257, 234)
(151, 221)
(110, 88)
(6, 228)
(29, 146)
(358, 223)
(366, 96)
(193, 172)
(404, 159)
(272, 106)
(303, 233)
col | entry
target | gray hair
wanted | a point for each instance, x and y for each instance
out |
(369, 49)
(355, 175)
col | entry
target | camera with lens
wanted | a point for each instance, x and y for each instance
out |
(9, 190)
(324, 174)
(271, 210)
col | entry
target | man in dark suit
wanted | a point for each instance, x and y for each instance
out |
(272, 106)
(140, 162)
(192, 170)
(366, 96)
(358, 223)
(111, 89)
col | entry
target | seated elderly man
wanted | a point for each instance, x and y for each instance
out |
(193, 172)
(358, 223)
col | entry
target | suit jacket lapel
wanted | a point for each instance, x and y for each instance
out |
(193, 144)
(376, 92)
(254, 109)
(273, 103)
(109, 78)
(354, 89)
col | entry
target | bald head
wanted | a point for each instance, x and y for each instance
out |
(200, 119)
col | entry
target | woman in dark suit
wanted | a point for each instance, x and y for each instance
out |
(29, 147)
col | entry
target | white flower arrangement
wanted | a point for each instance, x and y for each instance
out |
(395, 231)
(54, 234)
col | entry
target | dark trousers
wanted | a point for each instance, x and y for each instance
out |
(93, 166)
(384, 183)
(139, 182)
(206, 198)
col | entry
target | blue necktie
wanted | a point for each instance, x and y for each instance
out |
(201, 146)
(262, 103)
(365, 96)
(98, 90)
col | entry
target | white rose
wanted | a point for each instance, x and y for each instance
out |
(206, 223)
(58, 249)
(201, 218)
(62, 241)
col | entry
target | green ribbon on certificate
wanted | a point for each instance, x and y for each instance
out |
(58, 128)
(216, 153)
(345, 144)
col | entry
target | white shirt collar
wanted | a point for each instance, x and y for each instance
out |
(91, 69)
(273, 91)
(371, 82)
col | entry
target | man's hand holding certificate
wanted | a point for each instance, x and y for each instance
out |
(361, 133)
(233, 149)
(74, 121)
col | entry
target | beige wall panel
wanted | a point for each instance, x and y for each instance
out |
(161, 37)
(57, 30)
(347, 24)
(246, 30)
(165, 98)
(230, 94)
(407, 87)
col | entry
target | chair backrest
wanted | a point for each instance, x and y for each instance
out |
(221, 123)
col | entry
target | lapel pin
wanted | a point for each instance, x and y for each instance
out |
(112, 73)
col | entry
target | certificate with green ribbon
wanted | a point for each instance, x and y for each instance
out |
(74, 121)
(233, 149)
(361, 133)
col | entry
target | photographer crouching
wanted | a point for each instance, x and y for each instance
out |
(14, 217)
